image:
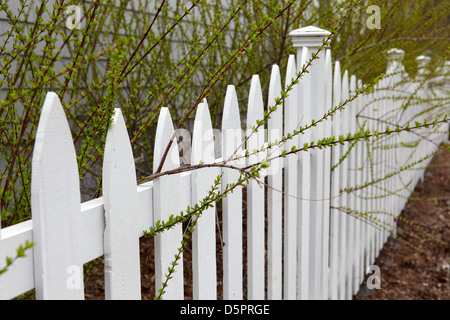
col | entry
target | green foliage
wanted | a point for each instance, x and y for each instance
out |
(144, 55)
(20, 253)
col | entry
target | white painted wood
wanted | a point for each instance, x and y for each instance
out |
(121, 235)
(377, 169)
(368, 177)
(335, 214)
(55, 205)
(328, 80)
(358, 194)
(348, 163)
(232, 204)
(168, 242)
(304, 98)
(204, 236)
(274, 194)
(364, 175)
(255, 198)
(20, 278)
(352, 201)
(343, 167)
(311, 38)
(316, 182)
(20, 275)
(291, 123)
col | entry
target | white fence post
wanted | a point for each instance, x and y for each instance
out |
(55, 204)
(311, 38)
(304, 218)
(121, 236)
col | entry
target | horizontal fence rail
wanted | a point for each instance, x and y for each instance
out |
(314, 221)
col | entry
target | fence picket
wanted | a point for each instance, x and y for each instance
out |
(168, 242)
(121, 236)
(358, 195)
(328, 89)
(274, 196)
(343, 174)
(255, 197)
(291, 123)
(204, 236)
(335, 214)
(232, 204)
(352, 203)
(55, 203)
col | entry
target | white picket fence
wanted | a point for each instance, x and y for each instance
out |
(313, 250)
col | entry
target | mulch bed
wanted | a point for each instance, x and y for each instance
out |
(421, 273)
(406, 273)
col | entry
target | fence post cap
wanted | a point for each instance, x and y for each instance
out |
(394, 61)
(395, 54)
(308, 36)
(423, 59)
(422, 62)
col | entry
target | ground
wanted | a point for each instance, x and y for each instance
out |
(407, 273)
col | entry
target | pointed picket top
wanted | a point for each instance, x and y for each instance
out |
(308, 36)
(275, 122)
(121, 236)
(345, 87)
(231, 123)
(58, 266)
(337, 84)
(231, 110)
(353, 84)
(291, 108)
(277, 116)
(255, 111)
(164, 132)
(291, 102)
(360, 99)
(202, 138)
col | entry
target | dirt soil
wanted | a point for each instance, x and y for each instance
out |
(407, 273)
(422, 273)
